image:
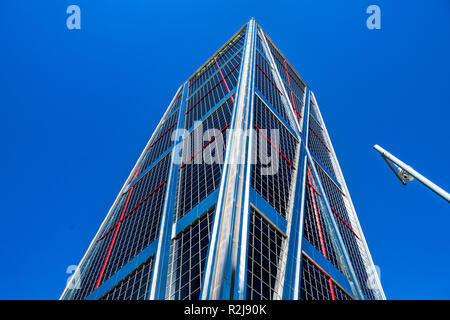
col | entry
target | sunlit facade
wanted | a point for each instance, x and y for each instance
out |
(237, 195)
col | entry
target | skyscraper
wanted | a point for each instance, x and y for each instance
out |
(237, 195)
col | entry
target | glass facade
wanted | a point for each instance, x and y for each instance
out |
(188, 256)
(287, 229)
(265, 251)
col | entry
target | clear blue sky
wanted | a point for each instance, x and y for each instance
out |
(77, 107)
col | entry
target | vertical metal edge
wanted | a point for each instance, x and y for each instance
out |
(219, 269)
(160, 266)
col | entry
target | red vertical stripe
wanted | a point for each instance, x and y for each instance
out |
(333, 297)
(226, 85)
(330, 282)
(275, 147)
(115, 234)
(292, 95)
(319, 139)
(322, 242)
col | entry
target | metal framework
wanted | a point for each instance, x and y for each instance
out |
(242, 226)
(406, 172)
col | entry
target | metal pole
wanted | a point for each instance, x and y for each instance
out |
(439, 191)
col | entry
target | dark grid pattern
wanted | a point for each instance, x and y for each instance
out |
(259, 44)
(317, 144)
(140, 225)
(296, 101)
(295, 83)
(333, 193)
(278, 61)
(266, 84)
(336, 200)
(341, 294)
(136, 286)
(316, 285)
(161, 141)
(211, 67)
(265, 251)
(285, 69)
(313, 111)
(198, 178)
(317, 228)
(224, 68)
(212, 92)
(297, 105)
(187, 259)
(275, 187)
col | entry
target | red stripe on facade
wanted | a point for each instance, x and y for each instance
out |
(162, 135)
(337, 214)
(322, 242)
(269, 79)
(115, 235)
(314, 189)
(198, 77)
(223, 79)
(330, 282)
(209, 91)
(131, 211)
(292, 94)
(275, 147)
(275, 56)
(319, 139)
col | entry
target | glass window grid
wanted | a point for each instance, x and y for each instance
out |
(135, 286)
(265, 251)
(210, 67)
(198, 180)
(141, 226)
(336, 200)
(315, 284)
(160, 143)
(297, 105)
(274, 188)
(216, 77)
(260, 44)
(313, 111)
(311, 230)
(282, 71)
(212, 92)
(297, 85)
(333, 193)
(188, 254)
(319, 149)
(265, 83)
(297, 96)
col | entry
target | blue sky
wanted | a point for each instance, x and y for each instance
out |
(77, 107)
